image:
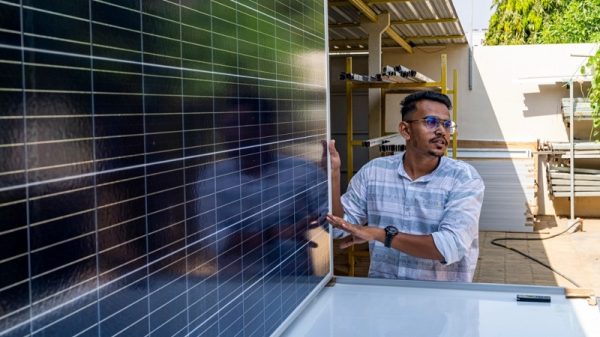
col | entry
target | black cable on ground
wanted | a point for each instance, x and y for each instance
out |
(533, 258)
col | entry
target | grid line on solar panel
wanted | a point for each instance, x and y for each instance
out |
(14, 4)
(118, 5)
(62, 266)
(34, 118)
(120, 244)
(36, 9)
(127, 307)
(10, 62)
(118, 333)
(151, 65)
(40, 329)
(90, 174)
(59, 39)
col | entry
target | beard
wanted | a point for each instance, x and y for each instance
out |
(441, 145)
(436, 154)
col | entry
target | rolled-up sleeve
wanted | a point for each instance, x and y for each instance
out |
(354, 201)
(460, 222)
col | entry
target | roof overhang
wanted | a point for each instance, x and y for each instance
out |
(413, 23)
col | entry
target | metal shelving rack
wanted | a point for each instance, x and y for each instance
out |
(564, 180)
(574, 109)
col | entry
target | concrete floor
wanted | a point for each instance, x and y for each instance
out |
(575, 255)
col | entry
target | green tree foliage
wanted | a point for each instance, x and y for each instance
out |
(594, 65)
(577, 22)
(551, 21)
(544, 21)
(520, 21)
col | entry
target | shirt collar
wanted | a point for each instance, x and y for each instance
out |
(425, 178)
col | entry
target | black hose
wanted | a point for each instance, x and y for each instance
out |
(533, 258)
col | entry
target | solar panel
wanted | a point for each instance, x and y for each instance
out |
(162, 170)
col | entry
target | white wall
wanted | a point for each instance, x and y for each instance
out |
(515, 95)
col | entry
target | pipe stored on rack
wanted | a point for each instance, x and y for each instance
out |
(357, 77)
(577, 145)
(381, 140)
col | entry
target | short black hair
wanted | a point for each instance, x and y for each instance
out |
(409, 104)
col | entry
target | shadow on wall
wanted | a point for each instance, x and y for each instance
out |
(544, 100)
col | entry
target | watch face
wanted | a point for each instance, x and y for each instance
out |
(391, 230)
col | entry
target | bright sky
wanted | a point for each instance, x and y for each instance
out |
(473, 14)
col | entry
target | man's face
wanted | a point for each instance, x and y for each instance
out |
(420, 138)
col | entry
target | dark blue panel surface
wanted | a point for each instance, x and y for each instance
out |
(161, 169)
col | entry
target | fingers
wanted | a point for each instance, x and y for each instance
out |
(332, 148)
(338, 222)
(329, 145)
(346, 244)
(353, 241)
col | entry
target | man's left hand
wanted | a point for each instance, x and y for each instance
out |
(360, 234)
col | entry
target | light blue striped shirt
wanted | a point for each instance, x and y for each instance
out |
(445, 203)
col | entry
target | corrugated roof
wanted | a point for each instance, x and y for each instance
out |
(418, 22)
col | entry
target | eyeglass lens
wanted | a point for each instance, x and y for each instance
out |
(433, 122)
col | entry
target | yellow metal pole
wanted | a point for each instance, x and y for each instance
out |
(349, 135)
(349, 150)
(383, 112)
(444, 76)
(444, 79)
(455, 112)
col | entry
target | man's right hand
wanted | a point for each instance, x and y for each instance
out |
(335, 165)
(336, 162)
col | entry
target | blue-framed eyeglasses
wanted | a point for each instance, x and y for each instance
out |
(432, 122)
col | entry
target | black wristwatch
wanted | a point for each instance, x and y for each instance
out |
(390, 232)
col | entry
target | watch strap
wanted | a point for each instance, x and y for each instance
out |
(390, 232)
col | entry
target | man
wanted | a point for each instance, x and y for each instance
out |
(418, 210)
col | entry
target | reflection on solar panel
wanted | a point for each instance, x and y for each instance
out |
(161, 170)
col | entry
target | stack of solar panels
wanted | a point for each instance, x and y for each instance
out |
(588, 150)
(586, 181)
(582, 108)
(586, 176)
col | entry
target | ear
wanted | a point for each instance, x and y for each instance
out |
(404, 130)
